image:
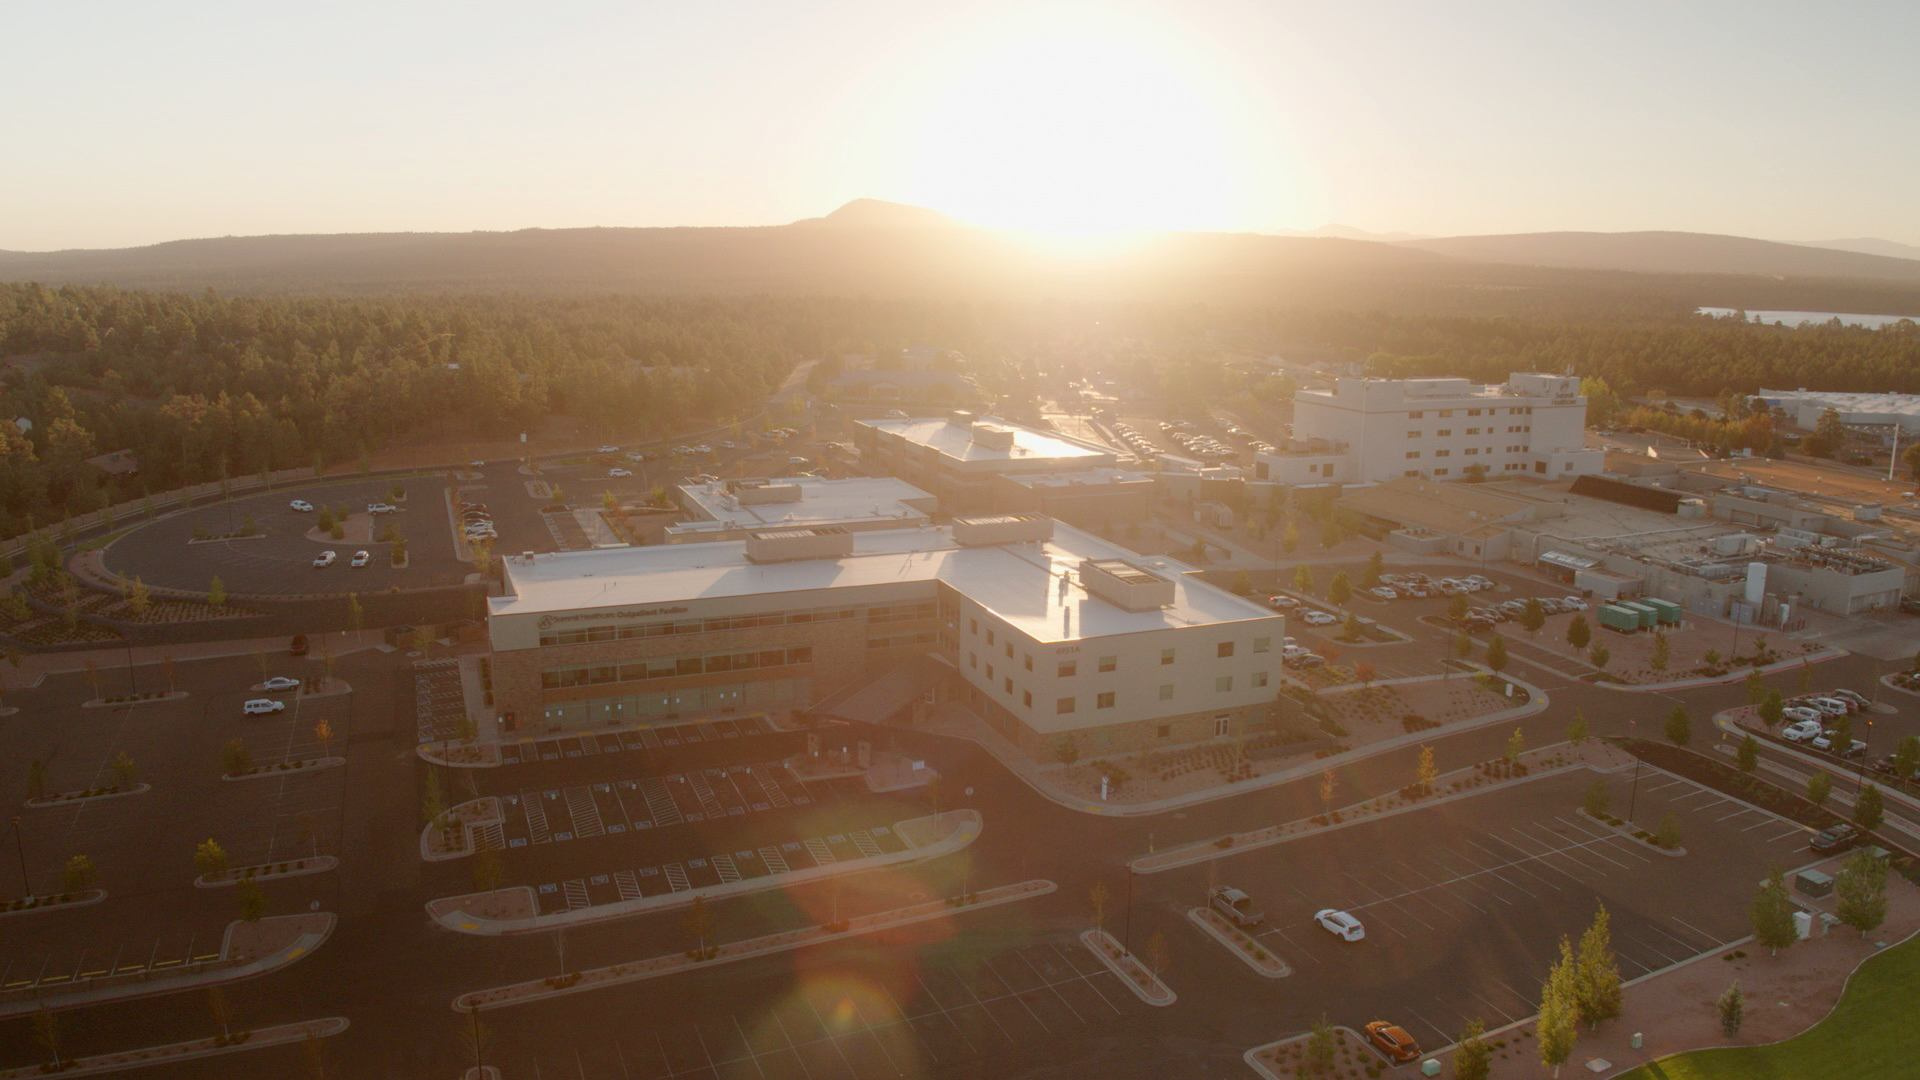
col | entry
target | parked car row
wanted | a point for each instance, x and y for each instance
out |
(476, 524)
(1421, 586)
(329, 557)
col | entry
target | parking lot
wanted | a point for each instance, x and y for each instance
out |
(1463, 903)
(969, 1007)
(279, 560)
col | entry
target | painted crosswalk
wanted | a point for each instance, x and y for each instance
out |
(536, 811)
(773, 860)
(821, 853)
(724, 866)
(586, 815)
(660, 801)
(775, 794)
(709, 804)
(576, 889)
(676, 877)
(864, 841)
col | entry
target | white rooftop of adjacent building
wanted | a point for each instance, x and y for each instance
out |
(1033, 586)
(961, 439)
(821, 501)
(1862, 408)
(1094, 477)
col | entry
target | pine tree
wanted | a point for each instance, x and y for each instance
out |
(1732, 1006)
(1577, 728)
(1496, 658)
(1819, 786)
(1679, 726)
(1869, 809)
(1749, 756)
(1555, 1030)
(1578, 632)
(1661, 653)
(1533, 616)
(1339, 591)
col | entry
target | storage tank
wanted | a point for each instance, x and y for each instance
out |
(1668, 611)
(1756, 584)
(1615, 617)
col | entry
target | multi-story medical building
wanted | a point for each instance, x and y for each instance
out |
(1365, 431)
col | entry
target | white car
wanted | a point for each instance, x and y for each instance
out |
(1282, 603)
(619, 472)
(1830, 706)
(381, 508)
(1381, 592)
(261, 706)
(1573, 603)
(607, 450)
(1478, 582)
(325, 558)
(796, 460)
(475, 464)
(1318, 618)
(1801, 730)
(281, 682)
(1800, 715)
(360, 558)
(1340, 924)
(302, 505)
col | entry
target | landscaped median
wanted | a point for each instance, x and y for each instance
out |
(109, 791)
(454, 836)
(1340, 1050)
(246, 950)
(1486, 775)
(516, 910)
(114, 701)
(1240, 943)
(318, 864)
(574, 982)
(286, 768)
(1134, 975)
(254, 1039)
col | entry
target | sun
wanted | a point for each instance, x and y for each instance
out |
(1081, 133)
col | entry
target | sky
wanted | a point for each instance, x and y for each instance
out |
(133, 123)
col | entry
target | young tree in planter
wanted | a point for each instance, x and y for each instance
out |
(1350, 627)
(210, 858)
(1424, 773)
(1578, 632)
(46, 1035)
(1326, 792)
(1661, 652)
(1860, 889)
(1749, 756)
(1472, 1057)
(1516, 745)
(1869, 809)
(1457, 607)
(125, 772)
(1667, 833)
(216, 592)
(1679, 726)
(235, 758)
(433, 800)
(1819, 786)
(92, 669)
(1097, 896)
(486, 867)
(1732, 1006)
(699, 922)
(1496, 658)
(1303, 579)
(1557, 1027)
(1598, 974)
(1596, 801)
(1318, 1056)
(138, 600)
(1771, 914)
(309, 825)
(1906, 759)
(222, 1014)
(1370, 577)
(323, 734)
(1462, 645)
(1290, 537)
(1773, 709)
(78, 875)
(1756, 690)
(1577, 728)
(36, 779)
(1598, 656)
(253, 904)
(1533, 616)
(1340, 590)
(1157, 954)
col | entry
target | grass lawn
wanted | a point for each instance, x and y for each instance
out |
(1871, 1034)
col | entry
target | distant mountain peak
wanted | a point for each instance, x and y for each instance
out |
(880, 214)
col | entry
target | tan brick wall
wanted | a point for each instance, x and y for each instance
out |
(1111, 738)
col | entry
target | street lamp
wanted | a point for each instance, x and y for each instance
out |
(1126, 932)
(20, 846)
(1633, 798)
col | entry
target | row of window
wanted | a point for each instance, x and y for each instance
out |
(1069, 668)
(894, 641)
(1515, 410)
(668, 667)
(879, 613)
(1106, 699)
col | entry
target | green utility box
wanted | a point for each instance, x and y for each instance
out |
(1648, 617)
(1615, 617)
(1668, 611)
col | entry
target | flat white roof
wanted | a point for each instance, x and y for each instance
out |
(956, 440)
(1095, 477)
(822, 501)
(1021, 583)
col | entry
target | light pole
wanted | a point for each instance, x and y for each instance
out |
(20, 846)
(133, 682)
(479, 1066)
(1126, 932)
(1633, 798)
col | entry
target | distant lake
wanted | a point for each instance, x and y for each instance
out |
(1796, 318)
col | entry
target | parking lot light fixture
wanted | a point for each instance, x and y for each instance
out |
(20, 847)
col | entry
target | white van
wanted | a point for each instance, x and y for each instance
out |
(261, 706)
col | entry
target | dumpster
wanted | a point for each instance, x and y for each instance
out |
(1668, 611)
(1615, 617)
(1648, 617)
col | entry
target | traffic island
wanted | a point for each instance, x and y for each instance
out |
(574, 982)
(285, 768)
(27, 905)
(246, 950)
(516, 910)
(254, 1039)
(461, 755)
(114, 701)
(1251, 952)
(1629, 832)
(109, 791)
(1344, 1053)
(1135, 975)
(319, 864)
(886, 772)
(455, 836)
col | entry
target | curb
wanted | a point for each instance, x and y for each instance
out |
(1098, 943)
(267, 772)
(278, 1035)
(103, 703)
(91, 896)
(71, 798)
(770, 944)
(235, 875)
(455, 917)
(1627, 833)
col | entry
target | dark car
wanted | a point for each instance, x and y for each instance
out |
(1839, 838)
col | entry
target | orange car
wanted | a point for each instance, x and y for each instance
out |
(1393, 1041)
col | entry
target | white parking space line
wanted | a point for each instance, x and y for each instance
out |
(1737, 813)
(1797, 830)
(1710, 937)
(1506, 862)
(1505, 1017)
(1592, 831)
(1293, 947)
(1572, 854)
(1398, 906)
(1435, 1028)
(1761, 824)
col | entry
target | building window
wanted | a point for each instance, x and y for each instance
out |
(1068, 668)
(1446, 412)
(1416, 414)
(1443, 453)
(1470, 431)
(1108, 663)
(1009, 650)
(1222, 726)
(1166, 691)
(1165, 730)
(1411, 472)
(989, 635)
(1166, 657)
(1473, 412)
(973, 627)
(973, 661)
(1444, 432)
(1259, 679)
(1223, 684)
(1104, 701)
(1472, 450)
(1028, 657)
(1008, 683)
(1223, 650)
(989, 672)
(1063, 706)
(1411, 454)
(1026, 698)
(1439, 472)
(1262, 644)
(1413, 434)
